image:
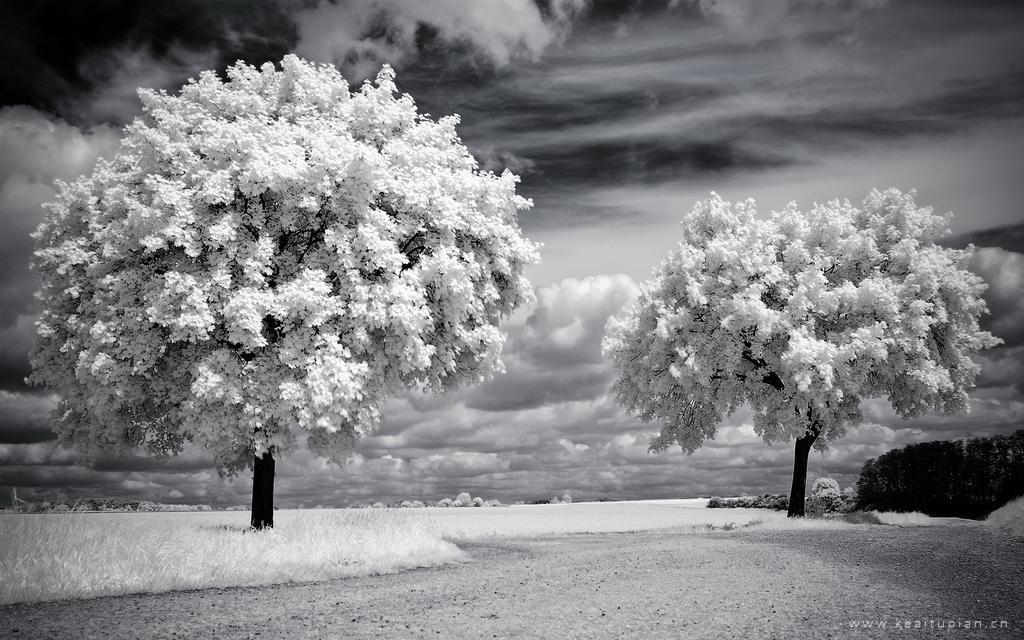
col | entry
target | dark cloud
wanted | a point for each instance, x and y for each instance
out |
(25, 417)
(68, 52)
(528, 389)
(1008, 237)
(1002, 366)
(681, 96)
(1003, 271)
(136, 462)
(35, 149)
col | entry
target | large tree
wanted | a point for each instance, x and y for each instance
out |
(799, 316)
(266, 259)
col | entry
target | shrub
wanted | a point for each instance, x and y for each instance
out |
(825, 485)
(825, 497)
(478, 501)
(445, 502)
(567, 498)
(777, 502)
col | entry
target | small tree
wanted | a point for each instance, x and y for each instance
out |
(799, 316)
(266, 259)
(826, 497)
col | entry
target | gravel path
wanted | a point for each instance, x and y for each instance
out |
(768, 584)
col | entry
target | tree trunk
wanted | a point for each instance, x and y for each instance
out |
(263, 491)
(796, 494)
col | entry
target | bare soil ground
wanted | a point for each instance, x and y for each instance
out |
(740, 584)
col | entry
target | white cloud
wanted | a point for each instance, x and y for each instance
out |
(359, 36)
(40, 148)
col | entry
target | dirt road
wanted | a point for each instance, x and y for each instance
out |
(769, 584)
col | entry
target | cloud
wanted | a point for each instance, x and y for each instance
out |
(567, 325)
(881, 96)
(1004, 272)
(491, 159)
(80, 60)
(35, 149)
(116, 75)
(14, 343)
(360, 36)
(555, 354)
(753, 19)
(1009, 237)
(1001, 367)
(25, 418)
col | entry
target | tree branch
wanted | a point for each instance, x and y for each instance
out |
(771, 378)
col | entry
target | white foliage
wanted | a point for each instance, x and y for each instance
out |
(799, 315)
(269, 256)
(826, 497)
(825, 487)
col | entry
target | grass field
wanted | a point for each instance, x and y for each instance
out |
(60, 556)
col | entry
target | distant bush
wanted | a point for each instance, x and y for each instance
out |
(464, 499)
(106, 505)
(773, 501)
(963, 478)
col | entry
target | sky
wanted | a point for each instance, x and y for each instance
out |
(618, 116)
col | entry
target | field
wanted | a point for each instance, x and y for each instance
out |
(60, 556)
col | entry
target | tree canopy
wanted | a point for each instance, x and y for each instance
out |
(269, 256)
(800, 315)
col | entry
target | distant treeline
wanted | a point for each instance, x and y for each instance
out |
(777, 502)
(102, 504)
(962, 478)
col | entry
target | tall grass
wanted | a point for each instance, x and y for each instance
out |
(1009, 517)
(55, 557)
